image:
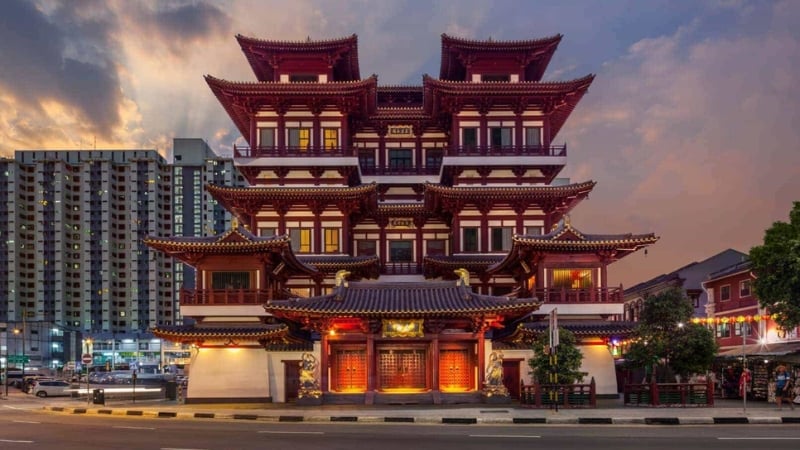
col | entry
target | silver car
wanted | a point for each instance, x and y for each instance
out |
(51, 388)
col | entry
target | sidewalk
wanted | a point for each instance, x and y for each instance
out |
(608, 411)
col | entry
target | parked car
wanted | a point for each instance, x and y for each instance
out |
(51, 388)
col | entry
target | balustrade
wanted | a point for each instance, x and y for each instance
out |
(202, 297)
(588, 295)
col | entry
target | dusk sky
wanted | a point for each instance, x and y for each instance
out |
(691, 128)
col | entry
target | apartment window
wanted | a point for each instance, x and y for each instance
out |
(400, 158)
(301, 239)
(469, 137)
(500, 137)
(435, 247)
(533, 136)
(330, 138)
(331, 239)
(744, 288)
(469, 239)
(300, 138)
(725, 293)
(366, 247)
(501, 239)
(266, 137)
(401, 251)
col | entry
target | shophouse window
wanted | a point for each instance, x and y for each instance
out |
(301, 239)
(469, 137)
(725, 293)
(330, 138)
(299, 138)
(266, 137)
(501, 239)
(500, 136)
(469, 239)
(401, 251)
(533, 136)
(723, 330)
(331, 238)
(400, 158)
(435, 247)
(744, 288)
(366, 247)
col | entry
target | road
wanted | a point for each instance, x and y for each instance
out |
(27, 427)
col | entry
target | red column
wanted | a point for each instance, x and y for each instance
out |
(323, 363)
(481, 358)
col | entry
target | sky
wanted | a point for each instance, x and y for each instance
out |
(691, 128)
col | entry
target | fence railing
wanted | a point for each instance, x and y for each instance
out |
(563, 395)
(670, 394)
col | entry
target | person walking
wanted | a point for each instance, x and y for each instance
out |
(783, 387)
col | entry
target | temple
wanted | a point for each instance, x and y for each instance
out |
(394, 239)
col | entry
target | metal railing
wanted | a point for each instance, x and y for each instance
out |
(562, 395)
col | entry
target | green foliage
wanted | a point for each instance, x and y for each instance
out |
(569, 359)
(776, 265)
(665, 337)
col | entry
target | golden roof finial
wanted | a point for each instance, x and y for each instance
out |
(234, 222)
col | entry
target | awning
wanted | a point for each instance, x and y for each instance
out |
(776, 349)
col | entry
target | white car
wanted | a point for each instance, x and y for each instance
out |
(51, 388)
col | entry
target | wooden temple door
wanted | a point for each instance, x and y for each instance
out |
(511, 376)
(402, 369)
(291, 379)
(455, 369)
(349, 369)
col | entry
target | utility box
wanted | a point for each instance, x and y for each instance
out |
(171, 390)
(99, 397)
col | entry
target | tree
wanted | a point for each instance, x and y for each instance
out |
(666, 339)
(569, 360)
(776, 265)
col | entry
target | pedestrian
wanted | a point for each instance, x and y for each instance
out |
(783, 387)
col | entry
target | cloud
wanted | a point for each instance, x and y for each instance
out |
(706, 155)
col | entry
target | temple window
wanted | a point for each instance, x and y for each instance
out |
(572, 278)
(433, 158)
(533, 137)
(230, 280)
(401, 251)
(469, 239)
(500, 136)
(330, 138)
(266, 137)
(501, 239)
(299, 138)
(744, 288)
(495, 77)
(469, 137)
(400, 158)
(366, 159)
(330, 238)
(502, 290)
(533, 231)
(301, 239)
(366, 247)
(435, 247)
(725, 293)
(303, 78)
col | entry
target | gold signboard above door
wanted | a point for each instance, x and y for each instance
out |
(402, 328)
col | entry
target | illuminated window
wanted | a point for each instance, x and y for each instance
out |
(299, 138)
(572, 278)
(301, 239)
(331, 239)
(330, 138)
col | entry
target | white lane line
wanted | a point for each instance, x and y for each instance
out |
(25, 421)
(181, 448)
(16, 442)
(291, 432)
(505, 436)
(135, 428)
(765, 438)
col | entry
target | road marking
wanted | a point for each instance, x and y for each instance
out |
(292, 432)
(505, 435)
(16, 442)
(765, 438)
(25, 421)
(136, 428)
(181, 448)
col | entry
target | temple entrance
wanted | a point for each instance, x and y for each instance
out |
(455, 367)
(291, 379)
(402, 369)
(349, 369)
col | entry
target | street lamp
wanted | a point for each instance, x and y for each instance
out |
(22, 332)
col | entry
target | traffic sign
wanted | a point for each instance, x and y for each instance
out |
(16, 359)
(86, 358)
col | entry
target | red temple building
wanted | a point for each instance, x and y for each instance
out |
(395, 236)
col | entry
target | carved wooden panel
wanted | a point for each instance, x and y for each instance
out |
(402, 369)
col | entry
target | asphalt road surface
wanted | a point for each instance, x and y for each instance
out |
(22, 428)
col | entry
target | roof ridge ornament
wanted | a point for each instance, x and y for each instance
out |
(463, 276)
(341, 278)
